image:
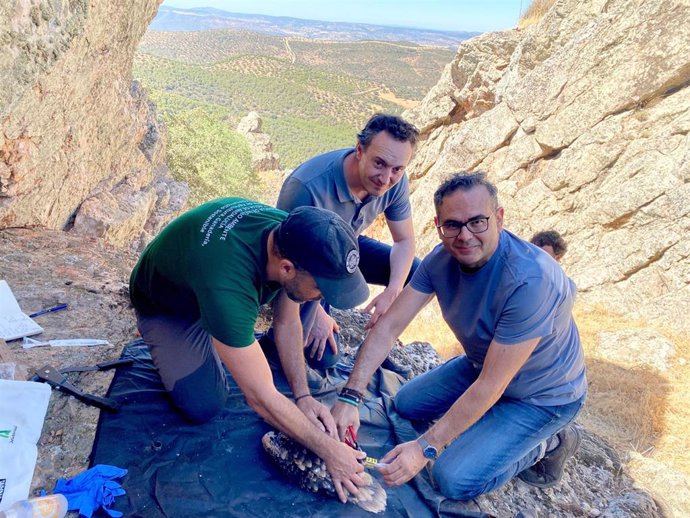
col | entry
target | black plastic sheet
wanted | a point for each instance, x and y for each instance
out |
(219, 469)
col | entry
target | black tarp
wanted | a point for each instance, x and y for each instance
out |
(219, 469)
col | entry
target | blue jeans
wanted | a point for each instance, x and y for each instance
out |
(506, 440)
(374, 262)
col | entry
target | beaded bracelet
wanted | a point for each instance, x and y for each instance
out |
(302, 396)
(348, 401)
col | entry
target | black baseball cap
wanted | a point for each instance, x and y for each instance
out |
(320, 242)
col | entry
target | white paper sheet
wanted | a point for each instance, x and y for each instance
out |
(23, 406)
(13, 323)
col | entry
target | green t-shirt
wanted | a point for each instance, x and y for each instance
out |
(210, 264)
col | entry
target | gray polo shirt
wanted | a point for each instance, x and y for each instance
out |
(320, 182)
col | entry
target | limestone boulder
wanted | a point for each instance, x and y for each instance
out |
(263, 156)
(637, 347)
(467, 85)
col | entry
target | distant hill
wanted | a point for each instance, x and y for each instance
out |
(206, 18)
(313, 95)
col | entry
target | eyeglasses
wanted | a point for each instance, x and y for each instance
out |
(475, 225)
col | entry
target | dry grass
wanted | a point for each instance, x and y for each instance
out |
(535, 12)
(625, 404)
(638, 409)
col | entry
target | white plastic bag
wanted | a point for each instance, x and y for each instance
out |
(23, 406)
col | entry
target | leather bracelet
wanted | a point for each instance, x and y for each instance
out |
(352, 393)
(301, 397)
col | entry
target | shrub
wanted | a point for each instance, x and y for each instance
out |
(213, 159)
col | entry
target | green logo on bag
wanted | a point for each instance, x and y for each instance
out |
(8, 434)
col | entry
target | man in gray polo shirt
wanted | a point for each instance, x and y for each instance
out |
(505, 407)
(358, 184)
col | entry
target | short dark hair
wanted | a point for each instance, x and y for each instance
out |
(397, 127)
(464, 181)
(552, 239)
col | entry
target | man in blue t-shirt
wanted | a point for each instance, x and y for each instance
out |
(358, 184)
(504, 408)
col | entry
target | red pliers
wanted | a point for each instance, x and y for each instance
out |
(351, 440)
(351, 437)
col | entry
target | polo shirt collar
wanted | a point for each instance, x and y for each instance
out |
(341, 188)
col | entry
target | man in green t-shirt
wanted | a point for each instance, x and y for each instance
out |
(197, 289)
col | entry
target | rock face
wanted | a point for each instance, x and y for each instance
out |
(263, 157)
(582, 121)
(80, 147)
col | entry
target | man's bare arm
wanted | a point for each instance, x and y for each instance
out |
(401, 257)
(380, 340)
(290, 343)
(375, 349)
(402, 252)
(250, 370)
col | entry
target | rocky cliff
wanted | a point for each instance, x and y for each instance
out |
(80, 148)
(582, 121)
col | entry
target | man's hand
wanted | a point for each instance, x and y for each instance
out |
(344, 467)
(404, 462)
(321, 333)
(380, 304)
(318, 414)
(345, 415)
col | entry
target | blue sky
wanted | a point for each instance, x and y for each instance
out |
(456, 15)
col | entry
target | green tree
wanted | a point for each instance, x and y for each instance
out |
(212, 158)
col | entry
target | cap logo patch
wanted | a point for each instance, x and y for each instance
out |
(352, 261)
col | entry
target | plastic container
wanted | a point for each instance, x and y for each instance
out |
(50, 506)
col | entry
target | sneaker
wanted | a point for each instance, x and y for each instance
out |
(549, 470)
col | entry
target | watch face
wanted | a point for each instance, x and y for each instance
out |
(430, 452)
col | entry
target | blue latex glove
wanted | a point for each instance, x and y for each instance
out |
(92, 489)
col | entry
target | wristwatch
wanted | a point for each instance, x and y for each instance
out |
(429, 451)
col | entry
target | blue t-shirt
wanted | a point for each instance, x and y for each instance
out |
(320, 182)
(521, 293)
